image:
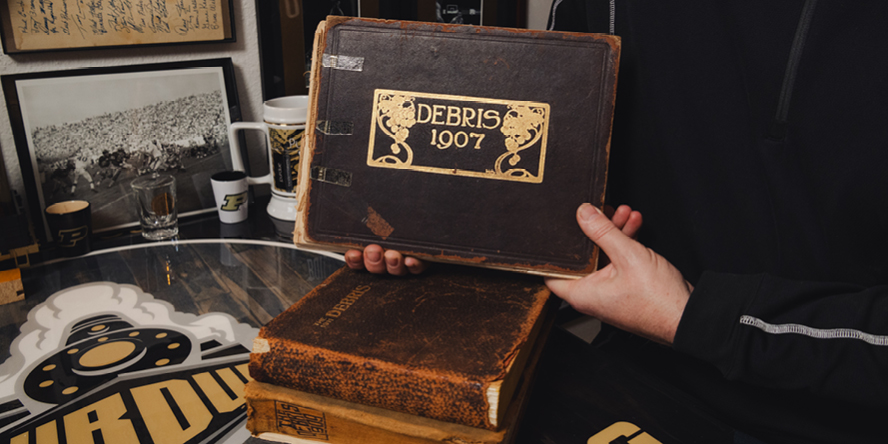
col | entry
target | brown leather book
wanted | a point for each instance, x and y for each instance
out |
(457, 143)
(291, 416)
(449, 344)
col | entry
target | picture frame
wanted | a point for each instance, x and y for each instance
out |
(87, 133)
(62, 25)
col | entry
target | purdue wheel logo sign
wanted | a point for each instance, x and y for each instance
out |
(107, 363)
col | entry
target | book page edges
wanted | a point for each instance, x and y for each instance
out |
(300, 238)
(500, 392)
(390, 421)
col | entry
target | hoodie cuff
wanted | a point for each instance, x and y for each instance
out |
(708, 326)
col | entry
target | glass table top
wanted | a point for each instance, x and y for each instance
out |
(157, 333)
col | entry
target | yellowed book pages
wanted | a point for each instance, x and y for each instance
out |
(284, 415)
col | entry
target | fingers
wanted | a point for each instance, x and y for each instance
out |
(562, 287)
(604, 233)
(415, 265)
(399, 265)
(626, 220)
(354, 259)
(374, 259)
(620, 216)
(633, 225)
(379, 261)
(394, 263)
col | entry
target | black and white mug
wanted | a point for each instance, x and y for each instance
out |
(230, 191)
(70, 224)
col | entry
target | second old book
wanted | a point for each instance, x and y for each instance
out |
(449, 344)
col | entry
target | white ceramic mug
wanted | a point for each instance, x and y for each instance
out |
(284, 127)
(230, 190)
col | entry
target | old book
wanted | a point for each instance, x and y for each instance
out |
(291, 416)
(449, 344)
(457, 143)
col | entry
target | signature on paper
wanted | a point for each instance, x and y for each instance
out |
(109, 22)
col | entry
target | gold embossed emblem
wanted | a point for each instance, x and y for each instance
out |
(459, 135)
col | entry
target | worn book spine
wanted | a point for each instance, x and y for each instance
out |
(285, 415)
(448, 397)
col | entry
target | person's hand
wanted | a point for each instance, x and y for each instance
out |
(638, 291)
(376, 260)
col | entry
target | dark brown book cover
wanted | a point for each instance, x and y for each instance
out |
(457, 143)
(449, 344)
(279, 414)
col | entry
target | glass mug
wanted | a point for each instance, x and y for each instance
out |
(284, 128)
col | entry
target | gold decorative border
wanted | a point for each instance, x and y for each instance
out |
(524, 125)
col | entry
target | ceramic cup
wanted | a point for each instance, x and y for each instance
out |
(230, 190)
(70, 224)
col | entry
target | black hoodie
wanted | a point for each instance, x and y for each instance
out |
(753, 137)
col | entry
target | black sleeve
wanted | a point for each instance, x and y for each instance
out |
(829, 339)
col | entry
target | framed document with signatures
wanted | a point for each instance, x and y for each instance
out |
(457, 143)
(51, 25)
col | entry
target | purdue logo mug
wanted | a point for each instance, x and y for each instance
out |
(70, 224)
(284, 127)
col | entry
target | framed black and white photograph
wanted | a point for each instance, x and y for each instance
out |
(88, 133)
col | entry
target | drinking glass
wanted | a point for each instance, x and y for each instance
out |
(156, 201)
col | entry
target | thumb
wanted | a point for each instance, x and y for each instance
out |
(612, 241)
